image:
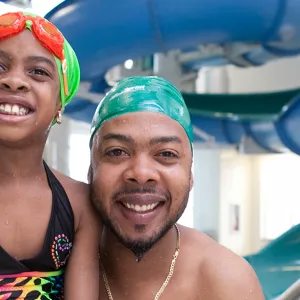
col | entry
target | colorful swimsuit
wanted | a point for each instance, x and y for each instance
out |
(41, 277)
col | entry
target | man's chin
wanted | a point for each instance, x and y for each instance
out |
(142, 239)
(139, 247)
(139, 239)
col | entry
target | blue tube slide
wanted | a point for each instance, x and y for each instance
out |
(105, 34)
(277, 265)
(276, 136)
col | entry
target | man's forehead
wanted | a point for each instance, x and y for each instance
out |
(145, 122)
(146, 126)
(150, 119)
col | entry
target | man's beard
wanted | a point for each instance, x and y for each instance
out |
(139, 247)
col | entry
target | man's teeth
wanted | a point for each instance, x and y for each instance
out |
(141, 208)
(13, 109)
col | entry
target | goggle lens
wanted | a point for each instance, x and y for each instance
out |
(8, 20)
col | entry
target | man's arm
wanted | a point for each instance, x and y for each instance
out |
(82, 273)
(232, 278)
(243, 283)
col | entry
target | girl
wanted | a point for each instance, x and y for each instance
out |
(47, 223)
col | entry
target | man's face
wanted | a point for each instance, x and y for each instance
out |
(141, 176)
(29, 88)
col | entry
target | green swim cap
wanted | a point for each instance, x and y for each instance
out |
(143, 94)
(72, 72)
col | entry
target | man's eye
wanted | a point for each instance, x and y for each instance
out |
(116, 152)
(168, 154)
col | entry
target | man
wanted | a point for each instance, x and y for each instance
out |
(142, 152)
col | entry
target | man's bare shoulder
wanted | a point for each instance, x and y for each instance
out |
(78, 193)
(226, 275)
(76, 190)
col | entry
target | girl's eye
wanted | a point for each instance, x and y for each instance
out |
(39, 72)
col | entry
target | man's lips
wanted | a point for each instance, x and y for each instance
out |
(141, 198)
(141, 202)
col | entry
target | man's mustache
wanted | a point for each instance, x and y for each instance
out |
(141, 190)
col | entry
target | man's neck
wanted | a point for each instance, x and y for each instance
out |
(119, 260)
(26, 160)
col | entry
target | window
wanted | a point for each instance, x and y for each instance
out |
(187, 219)
(279, 194)
(79, 156)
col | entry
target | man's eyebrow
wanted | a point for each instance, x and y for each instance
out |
(41, 59)
(119, 137)
(128, 139)
(165, 140)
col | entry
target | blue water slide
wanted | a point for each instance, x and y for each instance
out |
(274, 136)
(105, 34)
(278, 264)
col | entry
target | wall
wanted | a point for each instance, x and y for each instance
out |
(67, 148)
(238, 187)
(224, 178)
(207, 190)
(279, 194)
(274, 76)
(277, 75)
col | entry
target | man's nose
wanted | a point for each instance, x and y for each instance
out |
(142, 170)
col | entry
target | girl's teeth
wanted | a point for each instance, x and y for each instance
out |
(14, 109)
